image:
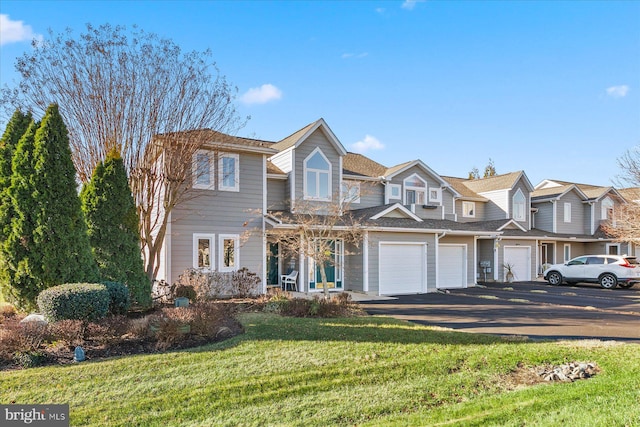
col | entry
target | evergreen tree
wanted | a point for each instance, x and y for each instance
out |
(61, 242)
(112, 222)
(16, 127)
(19, 285)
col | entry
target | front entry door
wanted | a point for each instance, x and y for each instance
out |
(332, 268)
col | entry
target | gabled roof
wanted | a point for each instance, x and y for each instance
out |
(298, 137)
(395, 170)
(592, 192)
(357, 164)
(497, 182)
(631, 194)
(555, 193)
(394, 211)
(458, 184)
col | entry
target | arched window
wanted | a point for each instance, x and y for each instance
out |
(415, 189)
(519, 203)
(607, 209)
(317, 176)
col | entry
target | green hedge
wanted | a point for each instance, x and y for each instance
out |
(119, 299)
(76, 301)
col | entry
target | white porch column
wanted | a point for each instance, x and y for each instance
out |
(365, 262)
(302, 276)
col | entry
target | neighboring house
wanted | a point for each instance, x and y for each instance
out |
(423, 231)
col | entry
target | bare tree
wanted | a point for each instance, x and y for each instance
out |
(626, 222)
(137, 92)
(312, 230)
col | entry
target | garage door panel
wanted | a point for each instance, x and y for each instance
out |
(402, 268)
(452, 271)
(520, 258)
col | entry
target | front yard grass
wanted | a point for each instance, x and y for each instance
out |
(356, 371)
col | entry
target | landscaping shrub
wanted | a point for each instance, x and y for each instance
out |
(184, 291)
(21, 343)
(119, 299)
(6, 311)
(212, 284)
(81, 301)
(69, 332)
(340, 305)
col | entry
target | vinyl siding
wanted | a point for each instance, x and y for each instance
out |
(497, 206)
(479, 210)
(436, 213)
(515, 242)
(222, 212)
(276, 194)
(371, 194)
(374, 251)
(544, 216)
(520, 185)
(577, 224)
(317, 139)
(353, 268)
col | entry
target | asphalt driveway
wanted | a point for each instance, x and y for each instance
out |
(533, 309)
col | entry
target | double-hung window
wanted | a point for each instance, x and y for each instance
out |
(229, 252)
(202, 170)
(203, 251)
(317, 176)
(228, 172)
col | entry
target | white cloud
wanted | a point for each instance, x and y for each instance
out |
(14, 31)
(410, 4)
(261, 95)
(380, 10)
(368, 143)
(618, 91)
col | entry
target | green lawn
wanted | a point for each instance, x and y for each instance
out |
(362, 371)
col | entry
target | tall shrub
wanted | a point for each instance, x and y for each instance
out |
(16, 127)
(19, 285)
(60, 236)
(112, 222)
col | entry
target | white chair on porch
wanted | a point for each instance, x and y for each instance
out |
(290, 279)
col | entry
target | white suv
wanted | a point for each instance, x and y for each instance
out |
(607, 270)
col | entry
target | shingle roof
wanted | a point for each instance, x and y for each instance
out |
(396, 168)
(458, 184)
(292, 139)
(497, 182)
(549, 192)
(214, 137)
(271, 168)
(591, 191)
(630, 194)
(357, 164)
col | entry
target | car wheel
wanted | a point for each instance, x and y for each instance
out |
(627, 285)
(554, 278)
(608, 281)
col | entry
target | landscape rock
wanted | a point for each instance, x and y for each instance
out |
(569, 372)
(35, 318)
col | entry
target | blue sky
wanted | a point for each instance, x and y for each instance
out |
(551, 88)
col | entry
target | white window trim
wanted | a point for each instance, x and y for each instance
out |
(397, 187)
(523, 215)
(212, 248)
(350, 192)
(236, 158)
(194, 171)
(465, 209)
(438, 199)
(305, 169)
(422, 190)
(607, 205)
(567, 212)
(236, 249)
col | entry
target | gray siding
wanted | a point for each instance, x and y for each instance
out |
(436, 213)
(353, 268)
(374, 255)
(371, 194)
(576, 226)
(276, 194)
(480, 212)
(485, 253)
(544, 216)
(515, 242)
(317, 139)
(222, 212)
(520, 185)
(497, 206)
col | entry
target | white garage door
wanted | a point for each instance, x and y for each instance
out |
(402, 268)
(452, 266)
(520, 258)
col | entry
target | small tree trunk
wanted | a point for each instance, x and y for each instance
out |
(323, 276)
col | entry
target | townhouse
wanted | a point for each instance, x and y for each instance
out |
(422, 231)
